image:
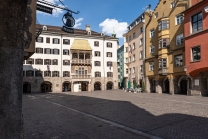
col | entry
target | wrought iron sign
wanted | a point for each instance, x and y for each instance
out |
(67, 19)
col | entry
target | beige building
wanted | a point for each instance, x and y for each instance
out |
(164, 62)
(134, 52)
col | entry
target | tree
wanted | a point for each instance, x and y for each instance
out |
(12, 40)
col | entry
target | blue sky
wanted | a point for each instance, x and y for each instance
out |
(101, 15)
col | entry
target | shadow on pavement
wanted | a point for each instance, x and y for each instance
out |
(170, 126)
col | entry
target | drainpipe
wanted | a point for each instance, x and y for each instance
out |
(61, 64)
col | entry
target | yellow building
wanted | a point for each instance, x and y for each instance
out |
(164, 63)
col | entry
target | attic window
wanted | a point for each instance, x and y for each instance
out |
(88, 32)
(44, 28)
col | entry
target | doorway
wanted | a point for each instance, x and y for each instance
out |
(109, 86)
(26, 87)
(97, 86)
(46, 87)
(166, 86)
(183, 87)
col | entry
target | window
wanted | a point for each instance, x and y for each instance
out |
(109, 74)
(65, 52)
(39, 50)
(109, 54)
(29, 73)
(151, 65)
(141, 41)
(130, 38)
(127, 49)
(196, 22)
(141, 29)
(164, 24)
(134, 46)
(55, 41)
(134, 35)
(141, 68)
(38, 73)
(30, 61)
(179, 19)
(179, 39)
(156, 15)
(66, 62)
(196, 53)
(152, 49)
(81, 71)
(97, 63)
(127, 70)
(96, 43)
(97, 53)
(133, 70)
(47, 51)
(39, 61)
(134, 57)
(39, 39)
(66, 41)
(152, 32)
(109, 45)
(47, 62)
(23, 61)
(109, 64)
(179, 60)
(55, 62)
(47, 73)
(172, 5)
(66, 74)
(47, 40)
(141, 55)
(23, 73)
(55, 73)
(164, 43)
(97, 74)
(162, 63)
(127, 60)
(56, 51)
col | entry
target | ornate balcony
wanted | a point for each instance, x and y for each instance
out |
(81, 76)
(81, 61)
(163, 71)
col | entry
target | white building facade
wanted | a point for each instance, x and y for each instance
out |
(80, 61)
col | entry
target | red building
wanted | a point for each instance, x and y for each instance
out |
(196, 46)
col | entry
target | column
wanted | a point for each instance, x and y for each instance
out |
(72, 87)
(158, 87)
(171, 86)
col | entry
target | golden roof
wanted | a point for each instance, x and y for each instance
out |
(81, 45)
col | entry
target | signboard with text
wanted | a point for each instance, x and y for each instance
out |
(44, 8)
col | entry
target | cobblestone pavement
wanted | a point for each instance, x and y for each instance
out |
(114, 114)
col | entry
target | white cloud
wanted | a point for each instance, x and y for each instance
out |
(119, 27)
(56, 11)
(77, 22)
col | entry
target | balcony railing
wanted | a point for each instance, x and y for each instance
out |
(163, 71)
(81, 76)
(78, 61)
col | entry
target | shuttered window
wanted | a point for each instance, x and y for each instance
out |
(39, 50)
(39, 61)
(47, 62)
(55, 41)
(47, 40)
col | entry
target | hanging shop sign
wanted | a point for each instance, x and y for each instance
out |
(44, 8)
(69, 22)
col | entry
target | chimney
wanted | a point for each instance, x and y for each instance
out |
(87, 27)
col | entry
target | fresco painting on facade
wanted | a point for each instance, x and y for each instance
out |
(72, 62)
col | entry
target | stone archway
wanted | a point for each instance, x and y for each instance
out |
(66, 86)
(26, 87)
(97, 86)
(183, 85)
(166, 86)
(46, 86)
(109, 86)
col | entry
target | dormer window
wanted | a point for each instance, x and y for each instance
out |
(88, 32)
(45, 28)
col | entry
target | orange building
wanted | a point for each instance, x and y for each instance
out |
(196, 46)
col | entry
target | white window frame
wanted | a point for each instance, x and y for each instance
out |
(179, 19)
(141, 55)
(162, 62)
(151, 65)
(152, 49)
(178, 60)
(141, 68)
(152, 33)
(179, 39)
(192, 55)
(133, 70)
(173, 4)
(141, 41)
